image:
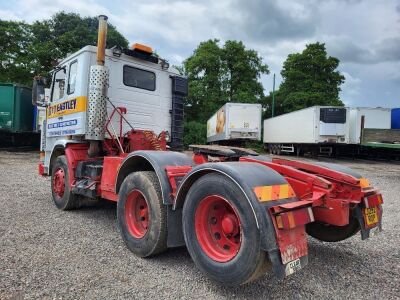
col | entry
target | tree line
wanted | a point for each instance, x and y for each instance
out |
(217, 72)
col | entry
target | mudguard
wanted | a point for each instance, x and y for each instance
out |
(247, 176)
(149, 160)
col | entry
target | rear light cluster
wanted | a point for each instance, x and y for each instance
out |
(372, 201)
(292, 219)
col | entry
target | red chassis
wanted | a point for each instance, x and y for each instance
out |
(286, 198)
(323, 195)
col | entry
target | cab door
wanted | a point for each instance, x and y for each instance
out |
(66, 115)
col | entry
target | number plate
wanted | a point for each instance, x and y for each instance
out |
(293, 266)
(371, 216)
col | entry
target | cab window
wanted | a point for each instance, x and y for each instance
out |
(58, 85)
(139, 78)
(73, 67)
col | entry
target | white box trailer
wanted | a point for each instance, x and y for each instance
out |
(321, 126)
(235, 121)
(367, 118)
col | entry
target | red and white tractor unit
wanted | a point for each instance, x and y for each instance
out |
(112, 122)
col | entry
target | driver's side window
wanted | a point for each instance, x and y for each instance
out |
(59, 85)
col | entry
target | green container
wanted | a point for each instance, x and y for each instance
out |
(16, 108)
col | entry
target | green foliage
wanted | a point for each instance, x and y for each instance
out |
(194, 133)
(31, 49)
(218, 75)
(15, 59)
(309, 78)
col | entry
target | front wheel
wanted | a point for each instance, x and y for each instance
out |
(221, 233)
(63, 197)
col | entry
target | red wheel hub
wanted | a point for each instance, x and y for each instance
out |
(137, 214)
(59, 182)
(218, 228)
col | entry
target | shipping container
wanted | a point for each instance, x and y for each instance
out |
(16, 109)
(395, 118)
(367, 118)
(235, 121)
(18, 123)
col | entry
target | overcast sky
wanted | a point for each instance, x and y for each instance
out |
(364, 35)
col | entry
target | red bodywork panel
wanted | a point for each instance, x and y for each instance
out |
(75, 153)
(111, 166)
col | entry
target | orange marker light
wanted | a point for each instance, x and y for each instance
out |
(142, 48)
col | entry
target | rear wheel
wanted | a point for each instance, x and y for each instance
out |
(221, 233)
(331, 233)
(63, 198)
(142, 215)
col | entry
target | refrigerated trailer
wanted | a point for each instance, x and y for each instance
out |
(235, 122)
(317, 129)
(239, 214)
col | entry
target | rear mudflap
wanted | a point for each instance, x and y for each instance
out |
(292, 252)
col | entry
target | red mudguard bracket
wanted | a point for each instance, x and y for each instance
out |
(175, 175)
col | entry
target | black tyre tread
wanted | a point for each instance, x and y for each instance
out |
(71, 201)
(261, 260)
(263, 266)
(160, 244)
(331, 233)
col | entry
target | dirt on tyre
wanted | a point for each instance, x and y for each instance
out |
(62, 196)
(221, 233)
(142, 217)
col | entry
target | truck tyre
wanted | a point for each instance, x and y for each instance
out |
(142, 217)
(221, 233)
(331, 233)
(63, 198)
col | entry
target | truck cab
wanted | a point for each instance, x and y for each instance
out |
(139, 82)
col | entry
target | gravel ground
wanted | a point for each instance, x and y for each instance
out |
(48, 253)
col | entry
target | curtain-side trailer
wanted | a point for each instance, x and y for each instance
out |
(371, 134)
(317, 129)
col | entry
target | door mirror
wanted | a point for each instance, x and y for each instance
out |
(38, 94)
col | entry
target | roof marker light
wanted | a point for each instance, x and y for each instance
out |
(143, 48)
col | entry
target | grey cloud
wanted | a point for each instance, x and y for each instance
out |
(266, 21)
(389, 49)
(349, 51)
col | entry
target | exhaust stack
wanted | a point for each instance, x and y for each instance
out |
(101, 40)
(97, 101)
